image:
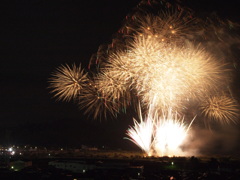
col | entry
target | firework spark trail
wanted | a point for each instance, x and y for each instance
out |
(67, 82)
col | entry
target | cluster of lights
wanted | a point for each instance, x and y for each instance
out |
(8, 150)
(17, 150)
(11, 151)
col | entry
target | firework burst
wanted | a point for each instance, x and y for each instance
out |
(171, 73)
(95, 103)
(114, 82)
(166, 25)
(67, 82)
(222, 108)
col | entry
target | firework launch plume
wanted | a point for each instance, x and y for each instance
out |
(159, 135)
(170, 133)
(141, 134)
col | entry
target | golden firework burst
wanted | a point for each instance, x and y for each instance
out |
(67, 82)
(221, 108)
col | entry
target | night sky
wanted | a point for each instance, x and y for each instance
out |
(38, 36)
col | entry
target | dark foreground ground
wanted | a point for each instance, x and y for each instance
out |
(134, 167)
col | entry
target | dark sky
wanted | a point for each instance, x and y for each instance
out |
(38, 36)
